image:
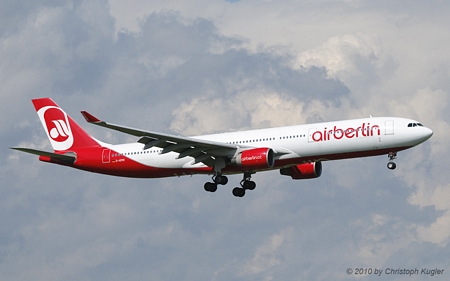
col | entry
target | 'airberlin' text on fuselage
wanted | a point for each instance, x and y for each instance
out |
(349, 133)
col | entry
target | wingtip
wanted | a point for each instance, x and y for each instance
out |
(90, 118)
(18, 148)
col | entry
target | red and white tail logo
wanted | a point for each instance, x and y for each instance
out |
(56, 123)
(62, 131)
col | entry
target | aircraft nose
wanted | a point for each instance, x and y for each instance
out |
(427, 133)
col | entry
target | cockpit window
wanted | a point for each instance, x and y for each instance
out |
(415, 125)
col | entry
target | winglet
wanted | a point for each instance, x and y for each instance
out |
(90, 118)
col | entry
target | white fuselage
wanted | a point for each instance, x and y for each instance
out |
(299, 144)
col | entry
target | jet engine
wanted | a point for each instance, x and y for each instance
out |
(303, 171)
(257, 158)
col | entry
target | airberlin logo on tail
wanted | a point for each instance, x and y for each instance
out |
(56, 123)
(365, 130)
(60, 132)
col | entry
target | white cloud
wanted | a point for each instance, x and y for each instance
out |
(196, 67)
(355, 59)
(255, 109)
(267, 255)
(438, 232)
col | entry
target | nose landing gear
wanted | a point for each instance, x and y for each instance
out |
(391, 165)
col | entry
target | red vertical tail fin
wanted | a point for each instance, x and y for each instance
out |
(62, 131)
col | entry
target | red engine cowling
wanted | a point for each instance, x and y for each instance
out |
(303, 171)
(258, 158)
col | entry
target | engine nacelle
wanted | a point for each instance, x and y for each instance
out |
(303, 171)
(257, 158)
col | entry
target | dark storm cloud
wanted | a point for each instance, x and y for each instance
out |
(74, 56)
(169, 58)
(60, 223)
(14, 14)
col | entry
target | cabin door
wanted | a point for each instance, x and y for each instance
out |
(106, 155)
(389, 127)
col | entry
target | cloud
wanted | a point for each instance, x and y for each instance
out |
(356, 59)
(266, 255)
(202, 67)
(251, 109)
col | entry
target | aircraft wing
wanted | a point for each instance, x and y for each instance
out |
(201, 150)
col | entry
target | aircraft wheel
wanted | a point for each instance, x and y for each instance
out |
(223, 180)
(210, 187)
(250, 185)
(391, 165)
(238, 192)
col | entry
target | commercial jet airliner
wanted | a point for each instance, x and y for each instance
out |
(296, 151)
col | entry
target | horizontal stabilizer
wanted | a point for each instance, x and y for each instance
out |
(62, 157)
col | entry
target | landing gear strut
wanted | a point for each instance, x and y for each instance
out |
(391, 165)
(217, 179)
(246, 184)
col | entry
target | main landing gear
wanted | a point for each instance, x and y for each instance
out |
(391, 165)
(217, 179)
(246, 184)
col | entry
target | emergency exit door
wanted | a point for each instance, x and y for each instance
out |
(389, 127)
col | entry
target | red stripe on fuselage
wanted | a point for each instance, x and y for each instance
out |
(91, 159)
(339, 156)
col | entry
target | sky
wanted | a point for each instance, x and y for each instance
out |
(200, 67)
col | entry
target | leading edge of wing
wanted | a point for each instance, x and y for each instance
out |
(148, 137)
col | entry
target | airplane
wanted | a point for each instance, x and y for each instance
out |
(296, 151)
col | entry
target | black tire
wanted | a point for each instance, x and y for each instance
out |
(223, 180)
(210, 187)
(250, 185)
(238, 192)
(391, 165)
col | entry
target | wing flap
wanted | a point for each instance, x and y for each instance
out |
(179, 147)
(202, 158)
